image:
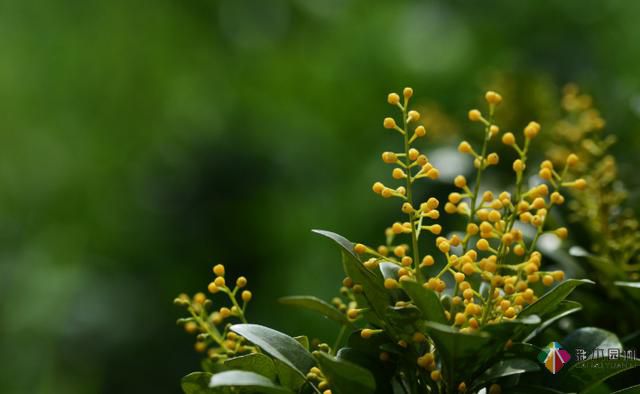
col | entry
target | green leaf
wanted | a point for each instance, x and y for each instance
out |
(426, 300)
(243, 381)
(465, 355)
(629, 390)
(588, 374)
(254, 362)
(461, 354)
(374, 294)
(303, 340)
(196, 383)
(590, 338)
(345, 377)
(288, 377)
(551, 299)
(277, 345)
(504, 368)
(634, 285)
(563, 309)
(382, 371)
(316, 305)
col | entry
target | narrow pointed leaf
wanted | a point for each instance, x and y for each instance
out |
(317, 305)
(247, 382)
(346, 377)
(277, 345)
(551, 299)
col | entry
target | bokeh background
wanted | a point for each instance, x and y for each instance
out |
(144, 141)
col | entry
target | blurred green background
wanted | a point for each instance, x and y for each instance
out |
(144, 141)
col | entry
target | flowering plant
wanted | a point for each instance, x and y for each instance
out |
(432, 310)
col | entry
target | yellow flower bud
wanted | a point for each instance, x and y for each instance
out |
(399, 251)
(531, 130)
(397, 228)
(393, 98)
(546, 164)
(413, 154)
(397, 173)
(413, 116)
(458, 276)
(460, 181)
(580, 184)
(389, 123)
(407, 92)
(510, 312)
(246, 296)
(390, 283)
(493, 97)
(562, 232)
(241, 282)
(494, 130)
(213, 288)
(475, 115)
(493, 159)
(420, 131)
(472, 229)
(377, 187)
(547, 280)
(191, 327)
(219, 281)
(508, 139)
(359, 248)
(435, 375)
(518, 165)
(389, 157)
(482, 244)
(545, 174)
(465, 147)
(460, 319)
(427, 261)
(218, 269)
(572, 160)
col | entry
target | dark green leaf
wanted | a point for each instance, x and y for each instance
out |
(277, 345)
(426, 300)
(345, 377)
(375, 295)
(588, 374)
(316, 305)
(505, 368)
(590, 338)
(634, 285)
(629, 390)
(196, 383)
(287, 376)
(563, 309)
(551, 299)
(303, 340)
(243, 381)
(255, 362)
(382, 371)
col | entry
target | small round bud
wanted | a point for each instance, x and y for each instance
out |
(508, 139)
(366, 333)
(510, 312)
(518, 165)
(460, 181)
(545, 174)
(494, 130)
(377, 187)
(458, 276)
(464, 147)
(420, 131)
(493, 159)
(390, 283)
(436, 375)
(359, 248)
(389, 123)
(407, 208)
(199, 298)
(572, 160)
(460, 319)
(219, 281)
(475, 115)
(413, 154)
(393, 98)
(562, 232)
(531, 130)
(397, 173)
(580, 184)
(493, 97)
(191, 327)
(407, 92)
(353, 314)
(246, 296)
(427, 261)
(241, 282)
(218, 270)
(389, 157)
(482, 244)
(213, 288)
(413, 116)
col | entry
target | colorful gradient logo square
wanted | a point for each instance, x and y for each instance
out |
(554, 357)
